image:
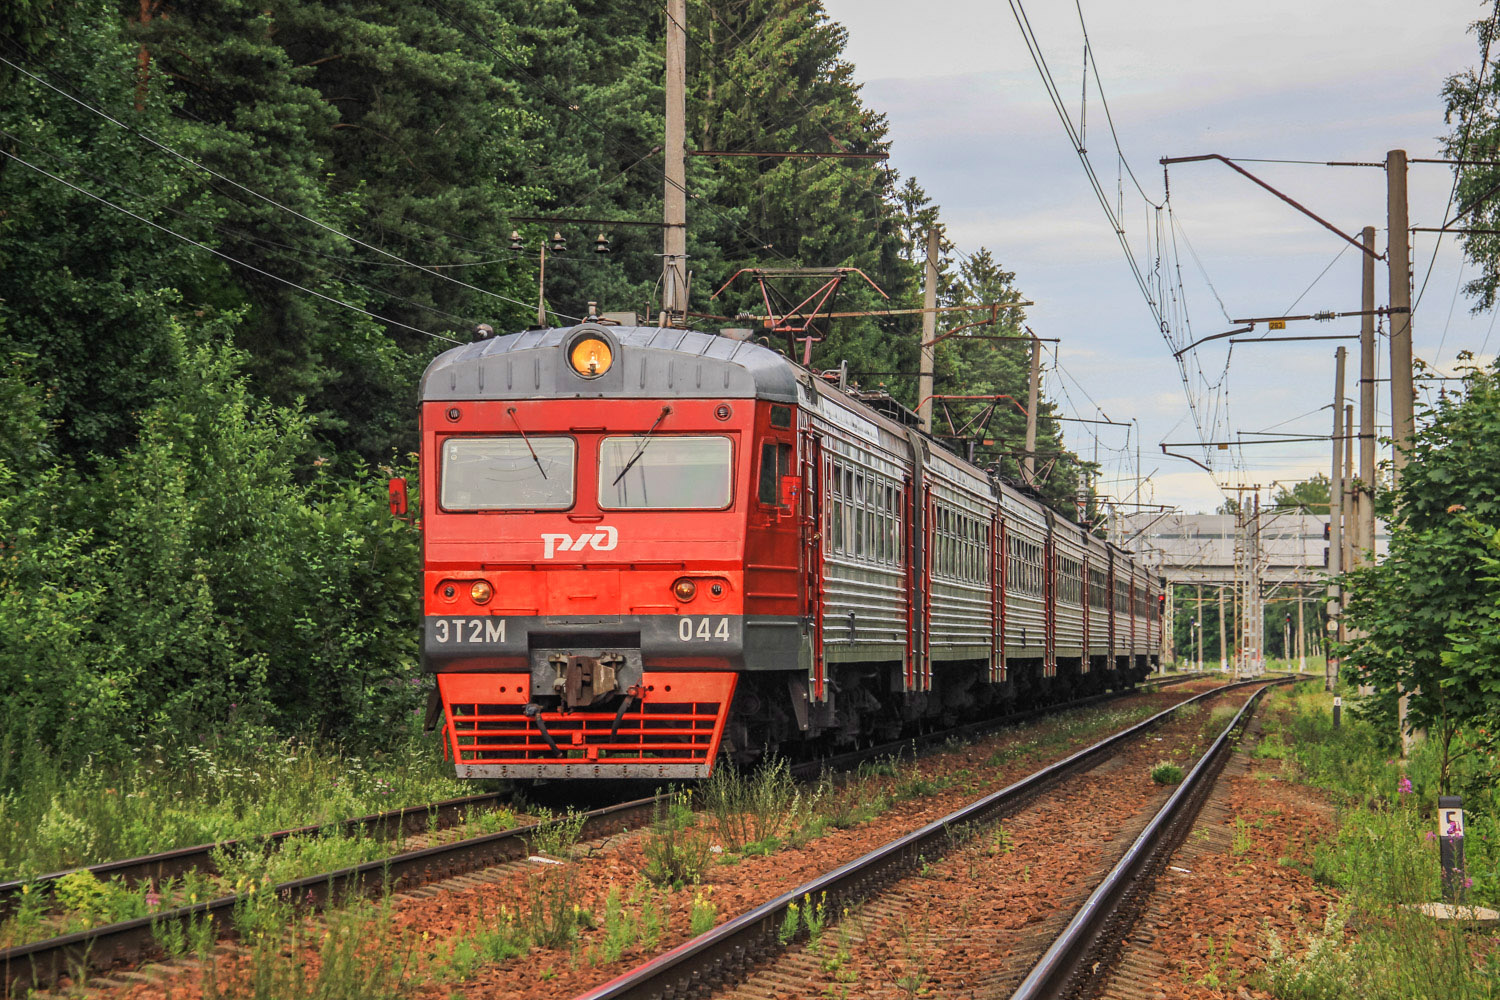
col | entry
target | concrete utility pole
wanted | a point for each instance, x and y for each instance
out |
(674, 195)
(1351, 530)
(929, 331)
(1335, 516)
(1031, 397)
(1198, 621)
(1364, 549)
(1301, 636)
(1223, 641)
(1398, 259)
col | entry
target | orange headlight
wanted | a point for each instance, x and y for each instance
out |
(685, 589)
(481, 592)
(590, 357)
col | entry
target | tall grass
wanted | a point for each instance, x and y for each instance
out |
(53, 816)
(1383, 860)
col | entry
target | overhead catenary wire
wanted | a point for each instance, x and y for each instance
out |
(219, 253)
(1166, 309)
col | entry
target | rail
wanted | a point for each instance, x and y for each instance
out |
(717, 955)
(1070, 966)
(40, 963)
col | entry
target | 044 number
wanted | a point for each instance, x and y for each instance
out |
(703, 629)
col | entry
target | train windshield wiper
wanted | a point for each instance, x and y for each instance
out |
(645, 440)
(538, 461)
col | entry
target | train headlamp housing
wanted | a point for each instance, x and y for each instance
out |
(481, 592)
(590, 356)
(684, 590)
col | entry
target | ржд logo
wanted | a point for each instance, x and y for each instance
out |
(602, 538)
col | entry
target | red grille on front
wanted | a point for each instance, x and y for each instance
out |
(679, 721)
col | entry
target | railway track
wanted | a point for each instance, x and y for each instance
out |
(41, 963)
(741, 950)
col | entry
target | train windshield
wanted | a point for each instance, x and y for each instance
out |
(508, 473)
(677, 473)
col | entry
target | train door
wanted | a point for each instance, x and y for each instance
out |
(917, 554)
(1049, 605)
(1085, 591)
(815, 482)
(929, 542)
(1111, 601)
(997, 598)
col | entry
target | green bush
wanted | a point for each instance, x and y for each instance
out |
(1166, 773)
(217, 571)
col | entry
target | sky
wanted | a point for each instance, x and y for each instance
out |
(1313, 80)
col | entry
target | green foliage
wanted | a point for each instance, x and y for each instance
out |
(703, 915)
(54, 815)
(1424, 616)
(1310, 496)
(193, 536)
(677, 850)
(1166, 773)
(756, 807)
(556, 836)
(1383, 858)
(217, 568)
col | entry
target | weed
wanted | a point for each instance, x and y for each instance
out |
(555, 916)
(910, 974)
(652, 915)
(752, 808)
(159, 796)
(361, 956)
(1325, 971)
(478, 822)
(493, 939)
(814, 918)
(556, 836)
(841, 954)
(1241, 842)
(293, 858)
(677, 851)
(1219, 975)
(1166, 773)
(703, 915)
(791, 921)
(619, 931)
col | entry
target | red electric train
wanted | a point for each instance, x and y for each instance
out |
(647, 548)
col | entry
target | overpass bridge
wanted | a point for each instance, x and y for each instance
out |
(1202, 548)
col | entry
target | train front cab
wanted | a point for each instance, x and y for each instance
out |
(591, 596)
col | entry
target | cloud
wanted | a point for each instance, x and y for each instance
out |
(970, 120)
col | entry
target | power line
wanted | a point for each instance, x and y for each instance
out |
(218, 253)
(458, 23)
(265, 198)
(1466, 128)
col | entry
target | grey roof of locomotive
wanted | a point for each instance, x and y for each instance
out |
(653, 362)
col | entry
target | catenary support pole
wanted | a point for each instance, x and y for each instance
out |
(929, 331)
(674, 195)
(1223, 648)
(1033, 391)
(1351, 531)
(1365, 549)
(1199, 622)
(1398, 260)
(1335, 516)
(1301, 635)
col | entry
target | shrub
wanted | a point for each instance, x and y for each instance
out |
(1166, 773)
